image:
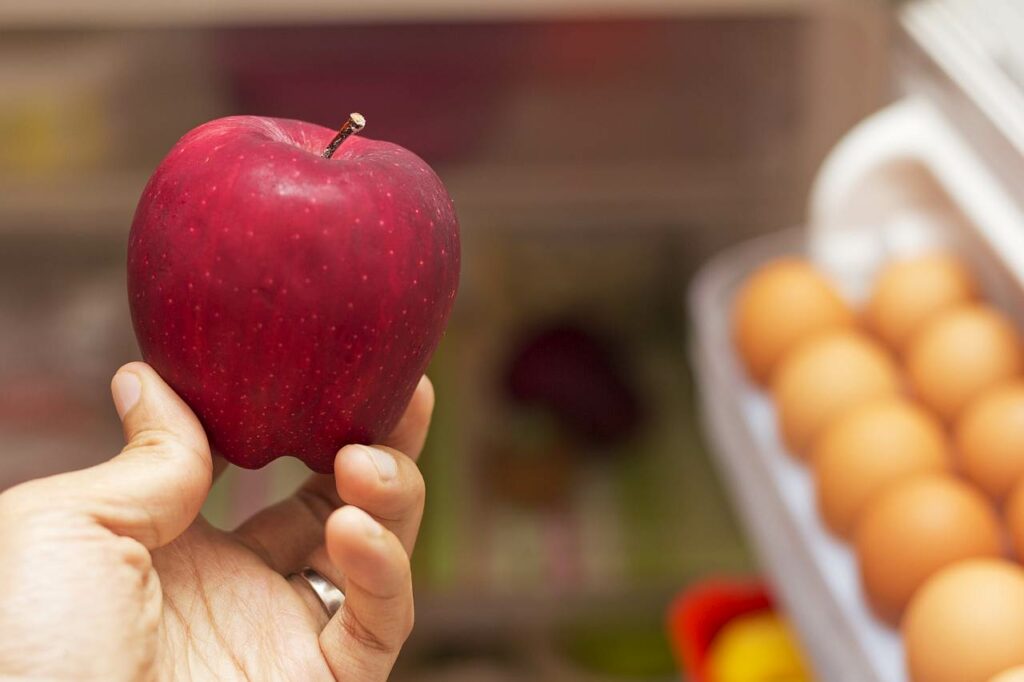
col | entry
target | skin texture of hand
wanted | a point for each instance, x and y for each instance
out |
(110, 574)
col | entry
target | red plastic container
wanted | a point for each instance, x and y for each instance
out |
(697, 615)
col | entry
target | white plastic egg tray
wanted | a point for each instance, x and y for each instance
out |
(813, 575)
(900, 183)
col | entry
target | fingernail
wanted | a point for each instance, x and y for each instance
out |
(127, 389)
(383, 462)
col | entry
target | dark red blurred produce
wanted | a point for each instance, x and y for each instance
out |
(578, 376)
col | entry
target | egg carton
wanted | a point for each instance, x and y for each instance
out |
(814, 576)
(904, 181)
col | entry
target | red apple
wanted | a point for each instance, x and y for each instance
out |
(292, 300)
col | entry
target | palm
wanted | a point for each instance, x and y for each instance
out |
(228, 615)
(229, 612)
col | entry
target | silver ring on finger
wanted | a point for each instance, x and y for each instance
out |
(330, 595)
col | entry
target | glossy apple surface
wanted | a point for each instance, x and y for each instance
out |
(293, 301)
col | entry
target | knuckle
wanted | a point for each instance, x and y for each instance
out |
(358, 632)
(150, 438)
(166, 445)
(157, 440)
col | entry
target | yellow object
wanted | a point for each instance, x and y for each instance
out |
(756, 648)
(45, 134)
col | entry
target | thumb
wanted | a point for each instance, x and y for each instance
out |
(154, 489)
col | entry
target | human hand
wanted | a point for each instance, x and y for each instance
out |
(109, 574)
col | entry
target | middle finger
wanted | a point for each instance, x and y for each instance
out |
(386, 484)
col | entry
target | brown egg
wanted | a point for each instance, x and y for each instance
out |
(908, 292)
(824, 376)
(958, 354)
(990, 439)
(1015, 674)
(869, 447)
(916, 527)
(966, 623)
(778, 306)
(1014, 514)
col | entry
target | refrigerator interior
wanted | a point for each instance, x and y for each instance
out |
(597, 158)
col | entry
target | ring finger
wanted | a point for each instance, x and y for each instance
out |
(322, 599)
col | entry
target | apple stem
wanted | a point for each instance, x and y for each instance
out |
(353, 125)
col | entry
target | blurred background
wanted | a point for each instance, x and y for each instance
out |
(598, 151)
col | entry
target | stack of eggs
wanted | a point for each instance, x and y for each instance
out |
(910, 413)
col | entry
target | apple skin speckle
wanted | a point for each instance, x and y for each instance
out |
(276, 296)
